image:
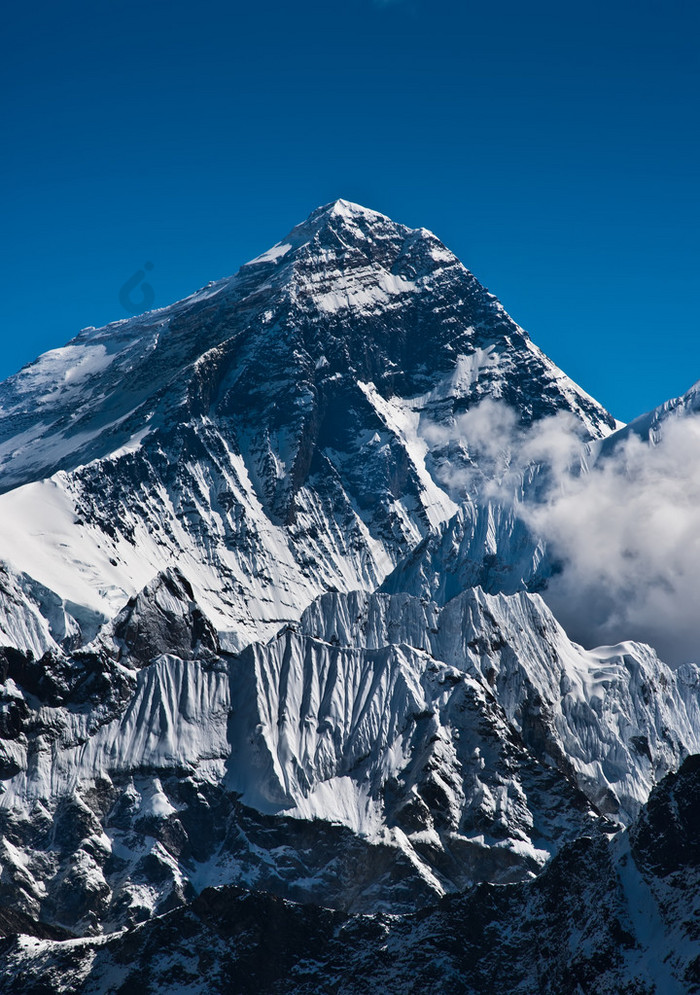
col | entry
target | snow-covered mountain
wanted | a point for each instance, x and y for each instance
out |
(267, 625)
(264, 434)
(468, 743)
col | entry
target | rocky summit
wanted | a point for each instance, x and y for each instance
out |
(283, 706)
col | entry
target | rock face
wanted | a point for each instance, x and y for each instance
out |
(272, 656)
(163, 618)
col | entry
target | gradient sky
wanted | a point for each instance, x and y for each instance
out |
(554, 147)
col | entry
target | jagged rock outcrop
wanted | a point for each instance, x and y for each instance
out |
(163, 618)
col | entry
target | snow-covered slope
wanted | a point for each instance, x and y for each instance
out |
(486, 543)
(32, 617)
(615, 718)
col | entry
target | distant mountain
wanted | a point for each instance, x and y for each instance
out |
(648, 425)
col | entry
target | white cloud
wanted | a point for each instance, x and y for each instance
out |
(486, 450)
(626, 529)
(628, 533)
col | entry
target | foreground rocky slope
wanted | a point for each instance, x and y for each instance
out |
(617, 916)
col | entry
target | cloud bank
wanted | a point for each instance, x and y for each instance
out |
(625, 528)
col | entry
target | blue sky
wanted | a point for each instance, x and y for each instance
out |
(554, 147)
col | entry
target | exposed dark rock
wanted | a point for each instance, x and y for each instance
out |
(13, 923)
(666, 837)
(164, 618)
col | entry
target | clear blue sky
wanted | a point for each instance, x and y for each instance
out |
(554, 147)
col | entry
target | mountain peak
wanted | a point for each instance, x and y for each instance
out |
(336, 215)
(343, 243)
(344, 215)
(349, 210)
(348, 288)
